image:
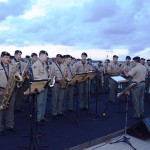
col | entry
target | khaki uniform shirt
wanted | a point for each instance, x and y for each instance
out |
(100, 69)
(21, 65)
(113, 67)
(40, 70)
(138, 73)
(70, 71)
(79, 67)
(3, 78)
(125, 68)
(59, 71)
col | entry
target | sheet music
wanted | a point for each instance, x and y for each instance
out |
(119, 79)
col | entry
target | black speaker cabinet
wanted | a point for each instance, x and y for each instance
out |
(141, 129)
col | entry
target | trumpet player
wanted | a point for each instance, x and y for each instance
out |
(40, 72)
(58, 71)
(5, 71)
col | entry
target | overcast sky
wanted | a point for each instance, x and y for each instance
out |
(98, 27)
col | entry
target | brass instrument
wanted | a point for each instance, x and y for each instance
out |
(22, 77)
(4, 103)
(64, 80)
(52, 82)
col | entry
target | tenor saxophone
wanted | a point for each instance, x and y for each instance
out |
(4, 103)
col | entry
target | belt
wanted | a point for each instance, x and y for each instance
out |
(138, 82)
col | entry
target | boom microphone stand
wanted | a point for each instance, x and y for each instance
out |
(125, 139)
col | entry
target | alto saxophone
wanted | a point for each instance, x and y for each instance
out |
(4, 103)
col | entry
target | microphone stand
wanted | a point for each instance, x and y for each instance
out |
(125, 139)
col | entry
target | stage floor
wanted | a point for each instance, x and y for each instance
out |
(64, 132)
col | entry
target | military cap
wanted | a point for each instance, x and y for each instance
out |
(59, 55)
(142, 58)
(4, 53)
(33, 54)
(137, 59)
(85, 54)
(43, 52)
(128, 57)
(115, 56)
(18, 51)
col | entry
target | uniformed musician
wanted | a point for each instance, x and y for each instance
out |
(138, 74)
(113, 70)
(82, 66)
(5, 71)
(147, 86)
(40, 72)
(69, 92)
(58, 70)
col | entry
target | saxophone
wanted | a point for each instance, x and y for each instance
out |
(4, 103)
(22, 77)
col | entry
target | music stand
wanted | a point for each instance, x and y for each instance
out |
(119, 80)
(125, 139)
(74, 82)
(89, 76)
(36, 86)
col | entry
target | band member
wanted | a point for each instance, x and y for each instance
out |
(34, 58)
(106, 76)
(82, 66)
(100, 76)
(113, 70)
(58, 70)
(147, 86)
(142, 61)
(5, 71)
(68, 98)
(138, 74)
(40, 72)
(19, 91)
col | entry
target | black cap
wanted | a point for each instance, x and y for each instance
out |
(27, 56)
(148, 59)
(89, 59)
(99, 61)
(137, 59)
(33, 54)
(85, 54)
(128, 57)
(115, 56)
(68, 56)
(59, 55)
(43, 52)
(142, 58)
(17, 52)
(5, 54)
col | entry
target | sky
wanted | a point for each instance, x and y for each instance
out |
(100, 28)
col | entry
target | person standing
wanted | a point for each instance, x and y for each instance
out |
(5, 71)
(138, 74)
(113, 70)
(82, 66)
(40, 72)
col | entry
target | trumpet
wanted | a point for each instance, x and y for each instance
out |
(52, 82)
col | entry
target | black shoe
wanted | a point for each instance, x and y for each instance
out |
(2, 133)
(45, 120)
(39, 123)
(135, 117)
(54, 116)
(18, 111)
(60, 115)
(10, 129)
(70, 110)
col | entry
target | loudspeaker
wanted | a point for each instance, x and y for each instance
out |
(141, 129)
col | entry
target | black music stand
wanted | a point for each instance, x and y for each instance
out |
(125, 139)
(34, 87)
(74, 82)
(119, 80)
(89, 76)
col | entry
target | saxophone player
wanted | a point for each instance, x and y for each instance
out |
(5, 71)
(58, 70)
